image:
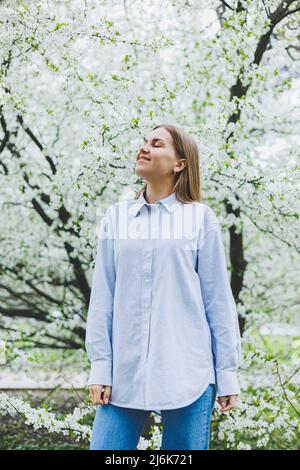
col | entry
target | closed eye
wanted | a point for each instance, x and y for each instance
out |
(145, 141)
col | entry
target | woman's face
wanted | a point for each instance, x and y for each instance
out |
(156, 158)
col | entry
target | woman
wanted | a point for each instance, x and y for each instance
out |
(162, 331)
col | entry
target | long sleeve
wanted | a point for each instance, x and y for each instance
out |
(220, 307)
(99, 319)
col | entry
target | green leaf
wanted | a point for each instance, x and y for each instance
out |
(135, 123)
(59, 25)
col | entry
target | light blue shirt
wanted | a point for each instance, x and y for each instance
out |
(162, 322)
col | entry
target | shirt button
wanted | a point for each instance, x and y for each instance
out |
(146, 305)
(147, 280)
(148, 255)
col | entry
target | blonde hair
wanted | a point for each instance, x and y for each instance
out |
(187, 181)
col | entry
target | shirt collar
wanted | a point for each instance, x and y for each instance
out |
(170, 202)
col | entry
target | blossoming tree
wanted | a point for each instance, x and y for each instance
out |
(81, 84)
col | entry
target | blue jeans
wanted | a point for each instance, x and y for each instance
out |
(118, 428)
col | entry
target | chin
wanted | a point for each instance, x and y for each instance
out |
(140, 172)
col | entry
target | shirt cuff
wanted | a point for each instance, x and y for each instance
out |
(227, 383)
(100, 373)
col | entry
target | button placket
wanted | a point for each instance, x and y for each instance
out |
(155, 220)
(146, 289)
(146, 274)
(147, 311)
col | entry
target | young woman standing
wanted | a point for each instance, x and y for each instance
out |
(162, 329)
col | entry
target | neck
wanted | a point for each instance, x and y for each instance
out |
(156, 191)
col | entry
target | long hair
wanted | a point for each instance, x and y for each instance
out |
(187, 181)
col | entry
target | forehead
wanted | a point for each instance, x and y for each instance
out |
(160, 133)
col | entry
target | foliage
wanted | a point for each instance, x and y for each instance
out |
(81, 83)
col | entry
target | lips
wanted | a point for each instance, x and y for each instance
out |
(143, 159)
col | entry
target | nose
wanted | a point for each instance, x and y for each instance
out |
(143, 149)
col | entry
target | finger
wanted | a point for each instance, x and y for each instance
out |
(91, 392)
(230, 404)
(232, 400)
(96, 394)
(106, 395)
(99, 393)
(223, 401)
(226, 408)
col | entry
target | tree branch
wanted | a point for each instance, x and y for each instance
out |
(227, 5)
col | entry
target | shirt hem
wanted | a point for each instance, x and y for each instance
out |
(155, 408)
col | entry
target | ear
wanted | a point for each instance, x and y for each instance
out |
(180, 165)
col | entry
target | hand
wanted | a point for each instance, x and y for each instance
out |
(99, 394)
(227, 402)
